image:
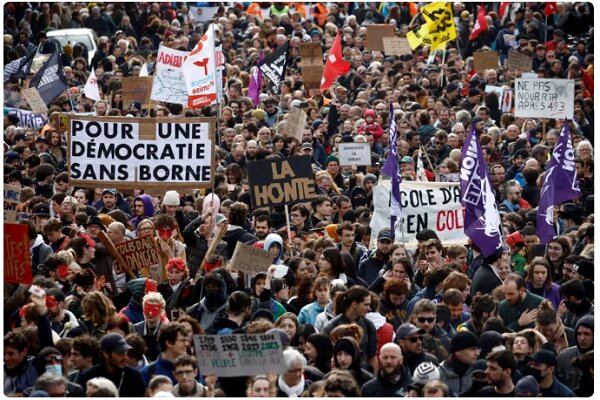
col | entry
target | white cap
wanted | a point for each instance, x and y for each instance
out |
(171, 198)
(425, 372)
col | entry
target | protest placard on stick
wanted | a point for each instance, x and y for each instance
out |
(11, 200)
(376, 33)
(544, 98)
(354, 154)
(252, 259)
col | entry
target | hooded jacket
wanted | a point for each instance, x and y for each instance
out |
(323, 318)
(148, 209)
(269, 241)
(212, 305)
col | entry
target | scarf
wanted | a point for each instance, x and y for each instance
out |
(559, 340)
(459, 367)
(294, 391)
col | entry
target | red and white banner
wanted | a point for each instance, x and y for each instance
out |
(200, 72)
(17, 254)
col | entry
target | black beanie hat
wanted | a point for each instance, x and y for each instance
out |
(463, 340)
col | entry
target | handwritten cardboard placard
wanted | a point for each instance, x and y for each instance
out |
(137, 88)
(253, 259)
(239, 355)
(35, 101)
(396, 46)
(311, 54)
(295, 123)
(354, 154)
(139, 254)
(311, 76)
(376, 33)
(17, 254)
(483, 60)
(11, 200)
(519, 61)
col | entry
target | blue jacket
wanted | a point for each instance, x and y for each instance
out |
(25, 375)
(558, 389)
(159, 367)
(308, 313)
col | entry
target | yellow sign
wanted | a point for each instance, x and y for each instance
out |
(439, 27)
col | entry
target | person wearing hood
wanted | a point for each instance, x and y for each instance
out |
(578, 305)
(274, 244)
(478, 379)
(565, 370)
(213, 303)
(138, 288)
(236, 232)
(142, 209)
(262, 296)
(346, 356)
(371, 126)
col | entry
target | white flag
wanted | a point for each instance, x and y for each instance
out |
(144, 70)
(421, 176)
(91, 87)
(200, 72)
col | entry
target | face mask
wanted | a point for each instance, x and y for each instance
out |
(152, 310)
(234, 275)
(536, 373)
(54, 369)
(165, 234)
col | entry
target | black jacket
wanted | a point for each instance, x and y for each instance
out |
(128, 381)
(383, 387)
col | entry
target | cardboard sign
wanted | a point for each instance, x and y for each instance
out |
(139, 254)
(146, 153)
(249, 258)
(354, 154)
(295, 124)
(483, 60)
(11, 200)
(136, 88)
(396, 46)
(311, 54)
(425, 205)
(544, 98)
(519, 61)
(239, 355)
(311, 76)
(376, 33)
(281, 181)
(17, 254)
(35, 101)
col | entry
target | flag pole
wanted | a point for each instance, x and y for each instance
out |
(289, 229)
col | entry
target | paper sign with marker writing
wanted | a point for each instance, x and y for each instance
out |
(249, 258)
(354, 154)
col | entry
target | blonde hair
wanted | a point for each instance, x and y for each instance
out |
(154, 297)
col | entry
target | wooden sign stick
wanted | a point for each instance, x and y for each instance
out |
(113, 251)
(213, 247)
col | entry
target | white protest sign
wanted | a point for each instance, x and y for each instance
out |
(425, 205)
(354, 154)
(239, 355)
(27, 119)
(295, 123)
(249, 258)
(396, 46)
(148, 153)
(202, 14)
(168, 84)
(11, 200)
(33, 98)
(544, 98)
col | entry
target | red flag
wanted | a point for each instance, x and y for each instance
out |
(503, 6)
(335, 65)
(550, 8)
(480, 24)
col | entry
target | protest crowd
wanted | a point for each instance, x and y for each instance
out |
(369, 199)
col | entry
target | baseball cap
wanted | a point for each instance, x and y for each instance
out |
(114, 343)
(306, 146)
(384, 234)
(406, 330)
(111, 191)
(407, 159)
(41, 210)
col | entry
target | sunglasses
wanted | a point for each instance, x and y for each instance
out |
(415, 339)
(423, 320)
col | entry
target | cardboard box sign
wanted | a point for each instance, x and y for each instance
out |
(155, 154)
(11, 200)
(354, 154)
(17, 254)
(520, 61)
(249, 258)
(239, 355)
(137, 88)
(311, 76)
(281, 181)
(139, 254)
(376, 33)
(311, 54)
(295, 123)
(33, 98)
(483, 60)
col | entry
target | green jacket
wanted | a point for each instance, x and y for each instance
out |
(510, 314)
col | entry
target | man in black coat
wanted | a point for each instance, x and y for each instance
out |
(393, 377)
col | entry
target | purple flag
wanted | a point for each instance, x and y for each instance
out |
(392, 170)
(560, 184)
(256, 81)
(482, 221)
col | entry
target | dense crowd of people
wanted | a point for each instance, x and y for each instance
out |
(385, 320)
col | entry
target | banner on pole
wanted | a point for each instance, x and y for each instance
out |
(147, 153)
(239, 355)
(544, 98)
(425, 205)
